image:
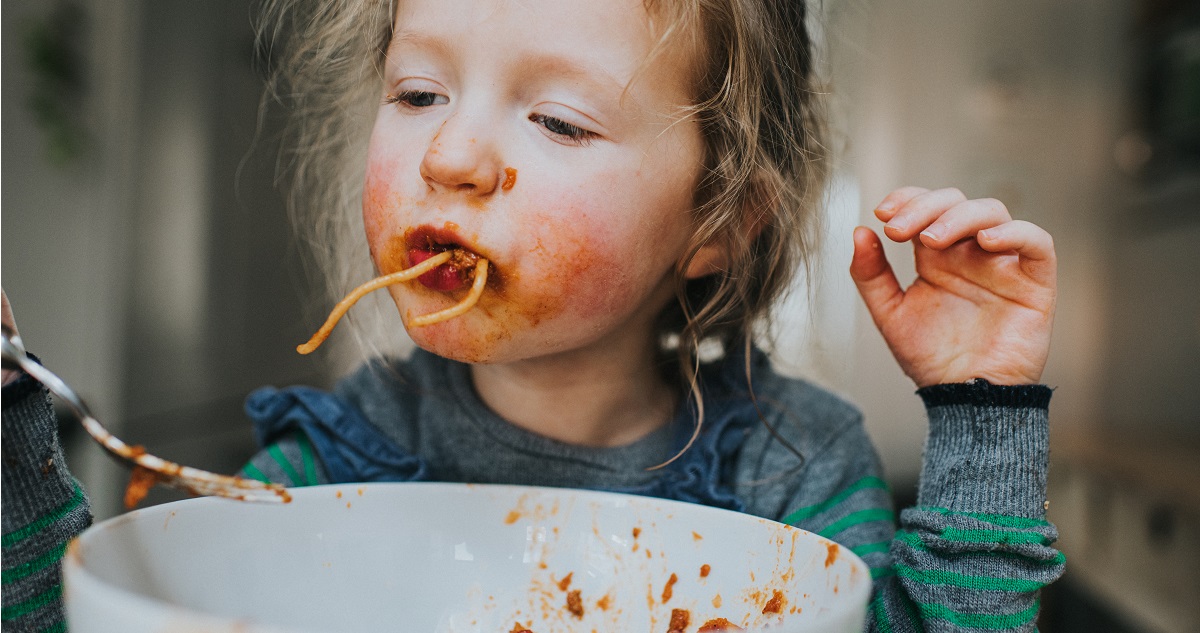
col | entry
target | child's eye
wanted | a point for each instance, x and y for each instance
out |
(416, 98)
(558, 127)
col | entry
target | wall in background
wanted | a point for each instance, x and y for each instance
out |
(154, 270)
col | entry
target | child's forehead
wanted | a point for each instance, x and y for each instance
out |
(614, 45)
(615, 34)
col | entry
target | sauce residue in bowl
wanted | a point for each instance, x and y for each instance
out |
(679, 620)
(718, 624)
(832, 556)
(669, 588)
(575, 603)
(775, 604)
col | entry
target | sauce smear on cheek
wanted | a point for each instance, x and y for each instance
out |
(576, 277)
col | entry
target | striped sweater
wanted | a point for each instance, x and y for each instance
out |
(972, 555)
(43, 508)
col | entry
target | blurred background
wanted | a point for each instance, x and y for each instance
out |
(150, 263)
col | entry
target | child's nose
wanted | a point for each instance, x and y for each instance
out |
(460, 158)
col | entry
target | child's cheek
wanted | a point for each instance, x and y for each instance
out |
(575, 269)
(381, 210)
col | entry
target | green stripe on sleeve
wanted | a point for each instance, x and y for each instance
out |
(813, 510)
(913, 540)
(277, 455)
(882, 572)
(978, 583)
(872, 548)
(914, 620)
(306, 455)
(1007, 537)
(1004, 520)
(41, 562)
(252, 471)
(857, 518)
(881, 616)
(12, 538)
(48, 596)
(933, 611)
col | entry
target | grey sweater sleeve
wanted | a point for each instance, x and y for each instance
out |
(976, 549)
(290, 461)
(44, 507)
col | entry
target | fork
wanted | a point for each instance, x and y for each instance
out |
(148, 468)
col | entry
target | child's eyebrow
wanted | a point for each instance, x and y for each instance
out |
(415, 38)
(573, 69)
(570, 67)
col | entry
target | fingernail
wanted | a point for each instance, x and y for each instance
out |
(983, 235)
(931, 234)
(886, 205)
(897, 225)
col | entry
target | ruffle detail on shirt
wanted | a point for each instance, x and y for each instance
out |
(697, 476)
(350, 447)
(702, 474)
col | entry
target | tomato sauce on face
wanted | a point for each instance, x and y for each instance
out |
(558, 271)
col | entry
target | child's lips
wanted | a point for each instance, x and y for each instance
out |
(453, 275)
(457, 273)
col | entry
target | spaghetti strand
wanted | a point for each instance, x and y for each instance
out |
(345, 304)
(468, 302)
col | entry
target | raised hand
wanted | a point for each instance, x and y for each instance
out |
(982, 305)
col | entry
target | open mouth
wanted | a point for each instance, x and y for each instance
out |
(457, 273)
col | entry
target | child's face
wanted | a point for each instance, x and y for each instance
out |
(584, 240)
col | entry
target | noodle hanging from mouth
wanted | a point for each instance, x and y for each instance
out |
(407, 274)
(468, 302)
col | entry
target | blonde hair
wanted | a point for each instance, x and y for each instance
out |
(757, 102)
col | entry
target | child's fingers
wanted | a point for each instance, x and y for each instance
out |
(1031, 242)
(964, 219)
(895, 200)
(920, 212)
(873, 275)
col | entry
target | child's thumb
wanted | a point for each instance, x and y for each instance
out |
(873, 275)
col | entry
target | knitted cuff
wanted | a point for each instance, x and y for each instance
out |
(983, 393)
(988, 448)
(34, 475)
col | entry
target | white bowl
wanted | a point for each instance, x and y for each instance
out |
(453, 557)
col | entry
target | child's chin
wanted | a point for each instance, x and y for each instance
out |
(463, 344)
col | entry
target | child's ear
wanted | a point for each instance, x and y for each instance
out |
(714, 257)
(710, 259)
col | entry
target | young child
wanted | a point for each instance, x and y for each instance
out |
(644, 177)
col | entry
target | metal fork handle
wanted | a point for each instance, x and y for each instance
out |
(191, 479)
(14, 352)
